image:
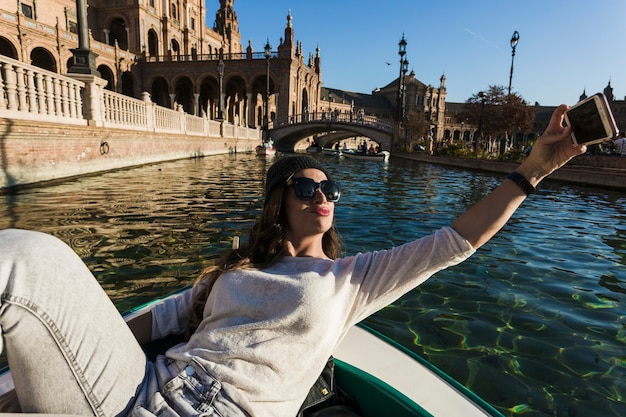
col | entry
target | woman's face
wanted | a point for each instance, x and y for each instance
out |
(307, 218)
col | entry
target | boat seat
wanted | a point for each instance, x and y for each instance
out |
(375, 397)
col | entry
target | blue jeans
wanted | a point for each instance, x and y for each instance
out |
(69, 349)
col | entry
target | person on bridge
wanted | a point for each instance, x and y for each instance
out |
(262, 322)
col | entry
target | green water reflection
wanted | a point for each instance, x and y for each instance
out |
(533, 322)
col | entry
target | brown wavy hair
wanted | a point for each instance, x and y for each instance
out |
(264, 247)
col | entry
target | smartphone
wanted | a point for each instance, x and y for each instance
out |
(591, 120)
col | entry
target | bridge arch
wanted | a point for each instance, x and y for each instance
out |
(287, 132)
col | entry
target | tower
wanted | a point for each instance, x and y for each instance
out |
(608, 92)
(227, 26)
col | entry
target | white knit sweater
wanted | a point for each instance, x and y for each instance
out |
(267, 334)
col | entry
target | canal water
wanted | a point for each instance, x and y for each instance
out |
(533, 323)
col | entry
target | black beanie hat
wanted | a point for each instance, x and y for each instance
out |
(281, 170)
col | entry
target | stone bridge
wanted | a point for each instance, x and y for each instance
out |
(329, 129)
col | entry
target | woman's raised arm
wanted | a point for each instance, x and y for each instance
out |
(551, 151)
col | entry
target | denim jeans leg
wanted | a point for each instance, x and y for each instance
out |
(69, 349)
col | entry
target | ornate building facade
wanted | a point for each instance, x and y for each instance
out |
(164, 47)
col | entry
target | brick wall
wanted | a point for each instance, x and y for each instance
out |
(33, 151)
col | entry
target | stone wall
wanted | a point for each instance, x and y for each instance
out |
(588, 170)
(32, 152)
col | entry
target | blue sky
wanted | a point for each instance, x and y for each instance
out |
(565, 46)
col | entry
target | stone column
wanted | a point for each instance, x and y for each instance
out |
(84, 57)
(92, 97)
(196, 104)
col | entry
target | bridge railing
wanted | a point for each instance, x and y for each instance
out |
(333, 117)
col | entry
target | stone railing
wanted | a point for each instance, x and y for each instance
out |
(124, 112)
(332, 117)
(32, 93)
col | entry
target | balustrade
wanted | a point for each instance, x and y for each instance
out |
(32, 93)
(331, 117)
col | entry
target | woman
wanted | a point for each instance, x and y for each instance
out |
(262, 322)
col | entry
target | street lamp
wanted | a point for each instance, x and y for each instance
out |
(514, 41)
(405, 68)
(403, 64)
(220, 73)
(268, 55)
(479, 131)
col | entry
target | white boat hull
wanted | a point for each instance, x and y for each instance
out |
(380, 156)
(425, 390)
(420, 383)
(260, 150)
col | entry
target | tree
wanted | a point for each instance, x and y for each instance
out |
(415, 126)
(501, 114)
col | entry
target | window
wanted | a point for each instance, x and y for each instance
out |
(174, 14)
(27, 10)
(71, 20)
(193, 23)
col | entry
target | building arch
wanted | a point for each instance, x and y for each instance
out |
(107, 74)
(117, 32)
(153, 43)
(42, 58)
(160, 92)
(183, 94)
(236, 100)
(128, 84)
(258, 90)
(209, 92)
(7, 48)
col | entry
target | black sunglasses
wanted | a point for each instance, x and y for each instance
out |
(306, 188)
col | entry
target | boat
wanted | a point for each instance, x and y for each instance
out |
(313, 149)
(265, 150)
(367, 156)
(381, 376)
(332, 152)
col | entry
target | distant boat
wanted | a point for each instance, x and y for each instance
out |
(331, 152)
(265, 150)
(367, 156)
(313, 149)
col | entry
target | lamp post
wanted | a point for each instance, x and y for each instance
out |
(268, 55)
(401, 52)
(514, 41)
(84, 59)
(479, 131)
(220, 73)
(405, 68)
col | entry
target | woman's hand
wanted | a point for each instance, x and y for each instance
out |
(552, 150)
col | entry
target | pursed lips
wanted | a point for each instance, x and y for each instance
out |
(322, 211)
